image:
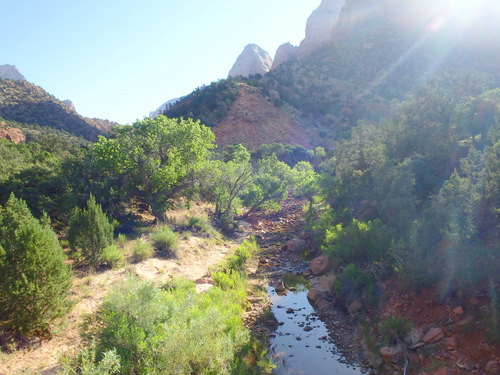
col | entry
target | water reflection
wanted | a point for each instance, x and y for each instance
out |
(301, 345)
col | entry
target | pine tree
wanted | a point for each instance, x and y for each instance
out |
(90, 231)
(35, 280)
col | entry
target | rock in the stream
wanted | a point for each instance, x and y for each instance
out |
(279, 287)
(433, 335)
(314, 296)
(320, 265)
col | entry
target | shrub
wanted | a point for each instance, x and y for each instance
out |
(85, 363)
(113, 256)
(142, 251)
(354, 283)
(227, 281)
(122, 239)
(359, 242)
(166, 242)
(394, 329)
(155, 331)
(90, 232)
(199, 224)
(35, 280)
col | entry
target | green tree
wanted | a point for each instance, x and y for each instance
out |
(272, 179)
(163, 156)
(227, 181)
(90, 232)
(35, 280)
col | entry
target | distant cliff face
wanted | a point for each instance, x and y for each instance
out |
(11, 72)
(285, 52)
(320, 26)
(253, 60)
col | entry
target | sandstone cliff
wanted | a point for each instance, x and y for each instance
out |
(253, 60)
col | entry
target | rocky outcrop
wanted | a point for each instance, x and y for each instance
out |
(165, 106)
(12, 134)
(253, 60)
(11, 72)
(285, 52)
(320, 26)
(70, 105)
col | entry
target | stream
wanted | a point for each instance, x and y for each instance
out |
(301, 343)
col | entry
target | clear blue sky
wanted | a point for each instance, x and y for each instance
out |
(121, 59)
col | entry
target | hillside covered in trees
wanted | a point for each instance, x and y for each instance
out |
(400, 181)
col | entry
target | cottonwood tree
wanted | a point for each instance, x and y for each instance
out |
(163, 156)
(35, 280)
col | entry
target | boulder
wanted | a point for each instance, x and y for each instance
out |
(280, 287)
(314, 296)
(450, 343)
(296, 245)
(323, 284)
(320, 265)
(392, 354)
(433, 335)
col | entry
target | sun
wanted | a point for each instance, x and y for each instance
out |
(466, 12)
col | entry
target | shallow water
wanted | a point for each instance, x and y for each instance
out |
(297, 351)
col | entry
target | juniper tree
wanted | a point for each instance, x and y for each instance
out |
(35, 280)
(90, 231)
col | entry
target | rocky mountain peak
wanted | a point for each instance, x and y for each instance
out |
(320, 26)
(253, 60)
(285, 52)
(70, 105)
(10, 72)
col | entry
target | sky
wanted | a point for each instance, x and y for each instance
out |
(121, 59)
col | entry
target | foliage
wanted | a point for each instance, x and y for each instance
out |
(355, 283)
(230, 177)
(162, 156)
(359, 242)
(170, 331)
(270, 185)
(165, 241)
(142, 250)
(113, 256)
(90, 232)
(36, 281)
(395, 329)
(85, 363)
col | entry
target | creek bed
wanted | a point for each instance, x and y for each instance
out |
(301, 344)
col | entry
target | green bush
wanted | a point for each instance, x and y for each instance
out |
(35, 280)
(359, 242)
(237, 261)
(142, 250)
(90, 232)
(122, 239)
(166, 242)
(395, 328)
(199, 224)
(113, 256)
(155, 331)
(85, 363)
(227, 281)
(355, 283)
